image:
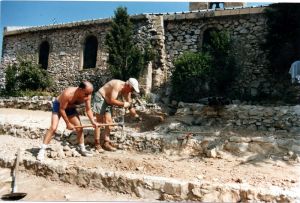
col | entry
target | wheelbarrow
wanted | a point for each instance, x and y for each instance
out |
(14, 195)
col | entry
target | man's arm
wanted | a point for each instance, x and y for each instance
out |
(62, 107)
(127, 98)
(111, 98)
(89, 111)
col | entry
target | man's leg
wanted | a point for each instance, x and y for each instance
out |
(48, 136)
(105, 135)
(74, 119)
(98, 147)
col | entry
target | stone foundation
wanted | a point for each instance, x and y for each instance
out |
(150, 187)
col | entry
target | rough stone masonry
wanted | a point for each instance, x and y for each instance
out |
(169, 34)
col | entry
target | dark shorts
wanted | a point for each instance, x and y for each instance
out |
(69, 111)
(99, 105)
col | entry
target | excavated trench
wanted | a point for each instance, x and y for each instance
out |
(161, 159)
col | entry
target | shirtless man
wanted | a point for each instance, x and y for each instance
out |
(64, 105)
(103, 100)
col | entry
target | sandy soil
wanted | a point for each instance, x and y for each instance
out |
(42, 189)
(262, 173)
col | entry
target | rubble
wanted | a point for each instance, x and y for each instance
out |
(151, 153)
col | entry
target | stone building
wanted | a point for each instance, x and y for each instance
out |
(214, 5)
(75, 51)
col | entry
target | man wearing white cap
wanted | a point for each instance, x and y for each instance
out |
(104, 99)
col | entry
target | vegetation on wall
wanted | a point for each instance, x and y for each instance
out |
(125, 58)
(189, 79)
(24, 77)
(207, 73)
(282, 41)
(224, 68)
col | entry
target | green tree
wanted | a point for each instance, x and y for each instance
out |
(282, 43)
(11, 73)
(125, 58)
(190, 76)
(224, 68)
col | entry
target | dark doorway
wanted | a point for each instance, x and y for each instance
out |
(44, 54)
(207, 38)
(90, 52)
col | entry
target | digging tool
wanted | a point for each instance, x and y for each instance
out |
(141, 103)
(100, 125)
(103, 125)
(199, 132)
(123, 121)
(14, 195)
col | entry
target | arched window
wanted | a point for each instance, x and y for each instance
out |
(207, 38)
(90, 52)
(44, 54)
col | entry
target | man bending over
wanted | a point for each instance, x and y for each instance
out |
(64, 106)
(103, 100)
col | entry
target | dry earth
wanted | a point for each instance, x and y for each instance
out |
(41, 189)
(260, 172)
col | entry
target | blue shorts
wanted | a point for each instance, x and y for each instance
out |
(69, 111)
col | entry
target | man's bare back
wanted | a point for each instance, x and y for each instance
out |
(68, 96)
(112, 90)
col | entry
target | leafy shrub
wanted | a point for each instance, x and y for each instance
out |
(24, 76)
(189, 78)
(207, 73)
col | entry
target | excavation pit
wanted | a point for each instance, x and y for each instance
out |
(160, 164)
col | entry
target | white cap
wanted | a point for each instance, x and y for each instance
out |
(134, 83)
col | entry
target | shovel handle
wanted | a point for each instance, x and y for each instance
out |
(99, 125)
(16, 172)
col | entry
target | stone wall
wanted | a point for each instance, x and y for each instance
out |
(43, 103)
(184, 32)
(169, 34)
(205, 5)
(65, 57)
(66, 49)
(280, 119)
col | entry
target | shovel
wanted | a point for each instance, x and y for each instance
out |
(14, 195)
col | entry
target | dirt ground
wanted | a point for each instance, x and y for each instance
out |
(42, 189)
(261, 172)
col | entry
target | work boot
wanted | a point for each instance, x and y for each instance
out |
(108, 147)
(98, 148)
(113, 145)
(41, 155)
